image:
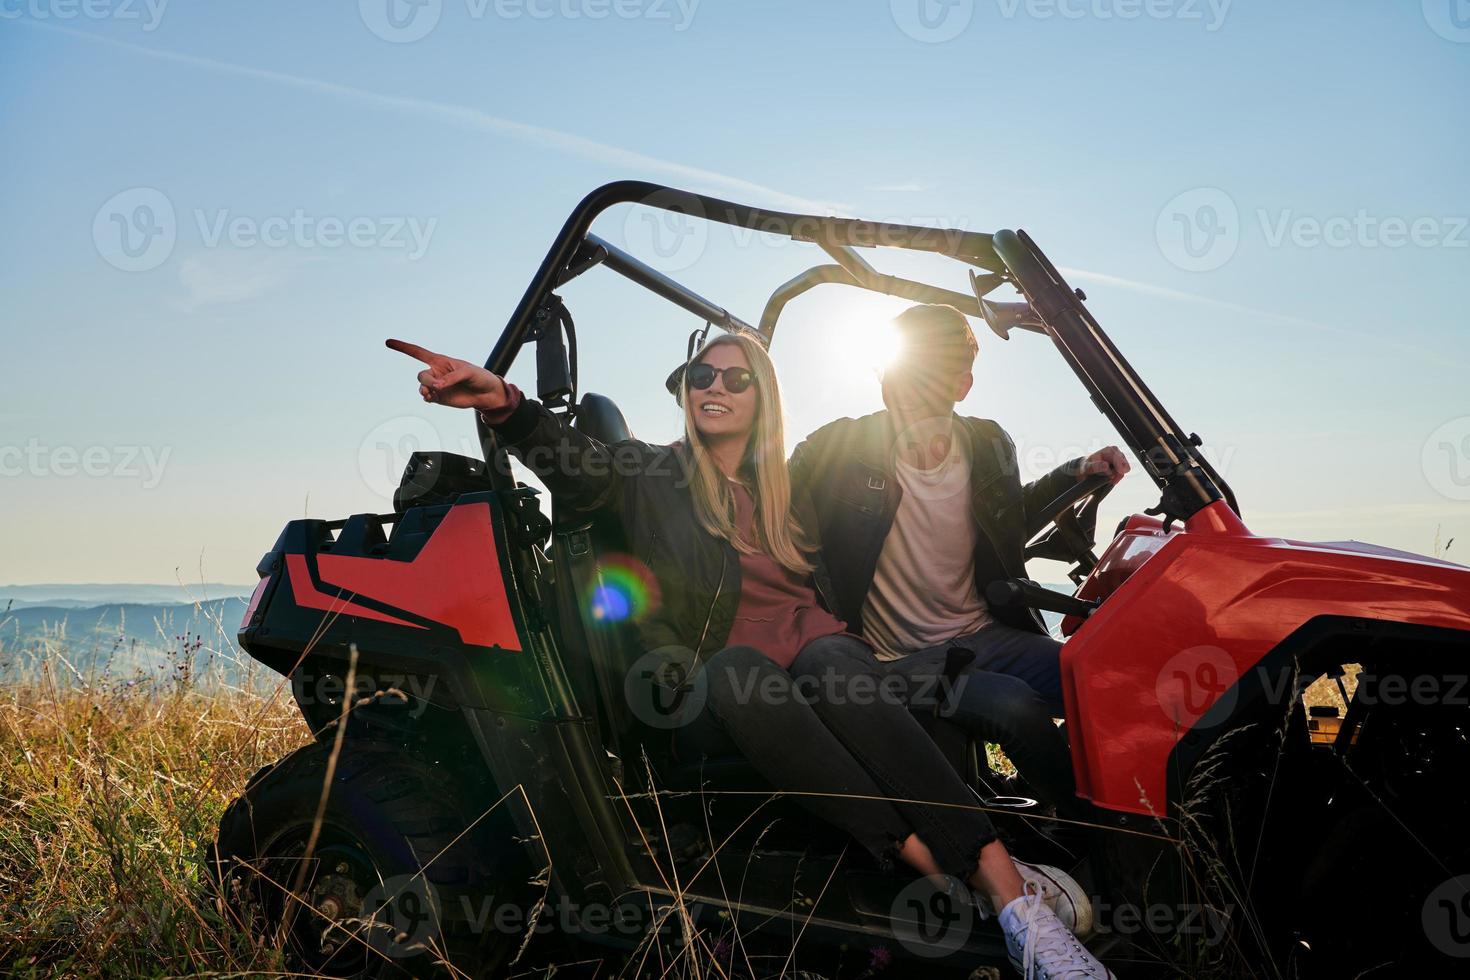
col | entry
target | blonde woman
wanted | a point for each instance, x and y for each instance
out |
(739, 584)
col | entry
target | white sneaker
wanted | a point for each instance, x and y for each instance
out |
(1041, 948)
(1061, 893)
(1058, 890)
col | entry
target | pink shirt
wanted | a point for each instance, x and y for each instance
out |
(779, 612)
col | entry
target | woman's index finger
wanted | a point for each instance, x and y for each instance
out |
(415, 351)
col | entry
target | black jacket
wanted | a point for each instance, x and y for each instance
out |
(648, 488)
(845, 472)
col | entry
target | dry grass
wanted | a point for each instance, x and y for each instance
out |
(108, 793)
(110, 789)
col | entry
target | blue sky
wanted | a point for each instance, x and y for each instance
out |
(1266, 203)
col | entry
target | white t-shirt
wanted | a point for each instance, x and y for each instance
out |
(923, 591)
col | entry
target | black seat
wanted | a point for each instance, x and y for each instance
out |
(599, 418)
(600, 652)
(580, 541)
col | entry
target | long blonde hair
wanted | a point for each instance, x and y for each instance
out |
(778, 535)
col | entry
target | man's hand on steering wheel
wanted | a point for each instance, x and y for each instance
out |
(1109, 462)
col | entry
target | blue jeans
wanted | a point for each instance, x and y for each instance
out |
(1001, 649)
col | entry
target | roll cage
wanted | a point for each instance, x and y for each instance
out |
(1187, 482)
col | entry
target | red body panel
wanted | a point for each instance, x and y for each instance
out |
(306, 594)
(1189, 612)
(455, 579)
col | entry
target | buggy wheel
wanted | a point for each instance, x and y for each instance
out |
(394, 880)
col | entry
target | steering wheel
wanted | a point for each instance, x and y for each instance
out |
(1066, 529)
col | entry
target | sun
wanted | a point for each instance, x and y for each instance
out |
(869, 344)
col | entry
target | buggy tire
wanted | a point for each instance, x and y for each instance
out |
(398, 880)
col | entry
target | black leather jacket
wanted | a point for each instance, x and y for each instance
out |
(844, 472)
(648, 488)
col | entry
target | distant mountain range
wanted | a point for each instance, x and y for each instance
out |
(96, 594)
(126, 641)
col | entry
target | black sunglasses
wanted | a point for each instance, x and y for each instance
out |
(737, 379)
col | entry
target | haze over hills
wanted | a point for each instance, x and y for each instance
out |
(101, 631)
(99, 593)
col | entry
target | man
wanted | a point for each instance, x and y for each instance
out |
(918, 510)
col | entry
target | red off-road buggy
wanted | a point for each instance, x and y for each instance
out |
(494, 769)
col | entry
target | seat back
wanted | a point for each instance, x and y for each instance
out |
(580, 541)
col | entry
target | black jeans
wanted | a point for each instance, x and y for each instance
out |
(877, 773)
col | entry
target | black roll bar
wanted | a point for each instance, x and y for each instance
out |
(1171, 457)
(972, 247)
(1187, 480)
(661, 285)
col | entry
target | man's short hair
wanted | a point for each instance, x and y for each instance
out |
(935, 335)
